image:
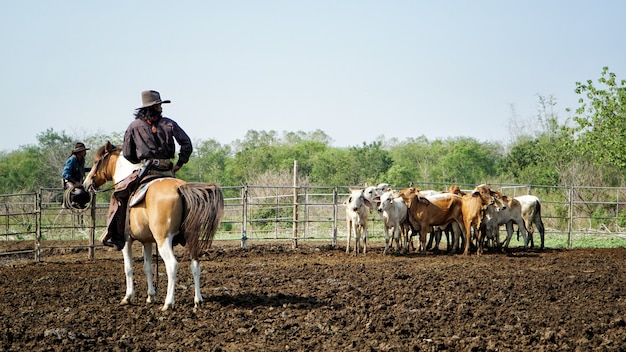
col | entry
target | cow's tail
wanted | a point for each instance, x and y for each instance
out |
(203, 212)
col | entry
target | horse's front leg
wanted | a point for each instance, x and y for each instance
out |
(195, 271)
(171, 267)
(147, 269)
(128, 270)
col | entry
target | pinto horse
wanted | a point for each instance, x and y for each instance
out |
(171, 208)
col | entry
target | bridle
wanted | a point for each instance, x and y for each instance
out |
(92, 188)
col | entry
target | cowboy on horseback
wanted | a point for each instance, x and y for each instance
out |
(148, 140)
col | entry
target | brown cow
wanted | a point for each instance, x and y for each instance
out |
(474, 205)
(452, 229)
(424, 213)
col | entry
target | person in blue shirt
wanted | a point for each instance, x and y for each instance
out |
(73, 175)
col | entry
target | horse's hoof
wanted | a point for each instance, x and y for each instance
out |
(166, 307)
(150, 299)
(125, 302)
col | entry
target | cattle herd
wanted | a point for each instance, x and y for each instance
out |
(469, 220)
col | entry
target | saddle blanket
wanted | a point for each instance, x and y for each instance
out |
(140, 193)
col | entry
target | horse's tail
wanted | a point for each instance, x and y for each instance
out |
(203, 211)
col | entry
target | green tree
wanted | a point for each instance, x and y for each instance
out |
(208, 163)
(601, 119)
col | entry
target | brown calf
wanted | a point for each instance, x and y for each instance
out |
(424, 214)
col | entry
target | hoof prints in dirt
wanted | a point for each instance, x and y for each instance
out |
(273, 297)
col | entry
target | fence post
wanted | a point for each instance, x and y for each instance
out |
(335, 216)
(571, 217)
(92, 230)
(295, 204)
(38, 225)
(244, 217)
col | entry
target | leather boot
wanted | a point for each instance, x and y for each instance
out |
(112, 236)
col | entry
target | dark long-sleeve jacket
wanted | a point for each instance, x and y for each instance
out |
(74, 169)
(140, 143)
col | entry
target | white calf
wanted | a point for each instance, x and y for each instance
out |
(357, 213)
(531, 212)
(395, 213)
(505, 211)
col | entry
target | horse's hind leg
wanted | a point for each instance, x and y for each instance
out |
(195, 271)
(171, 267)
(128, 270)
(147, 269)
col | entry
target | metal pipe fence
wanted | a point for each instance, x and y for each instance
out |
(287, 213)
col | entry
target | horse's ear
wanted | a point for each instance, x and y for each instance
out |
(108, 147)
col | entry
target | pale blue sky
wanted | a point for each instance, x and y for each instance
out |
(353, 69)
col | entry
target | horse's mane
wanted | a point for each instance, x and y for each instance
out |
(107, 148)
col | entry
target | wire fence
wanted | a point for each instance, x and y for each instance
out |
(571, 215)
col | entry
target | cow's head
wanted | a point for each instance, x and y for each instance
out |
(356, 199)
(487, 196)
(386, 199)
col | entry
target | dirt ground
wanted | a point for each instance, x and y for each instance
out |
(317, 298)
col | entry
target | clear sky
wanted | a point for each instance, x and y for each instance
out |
(356, 70)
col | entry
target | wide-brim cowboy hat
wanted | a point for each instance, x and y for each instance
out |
(79, 147)
(151, 97)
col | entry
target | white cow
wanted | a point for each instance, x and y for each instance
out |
(357, 213)
(531, 212)
(394, 212)
(373, 194)
(505, 211)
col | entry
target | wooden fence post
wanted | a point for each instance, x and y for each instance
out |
(38, 225)
(92, 230)
(295, 204)
(244, 217)
(335, 197)
(570, 220)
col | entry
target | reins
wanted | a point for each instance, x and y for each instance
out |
(97, 190)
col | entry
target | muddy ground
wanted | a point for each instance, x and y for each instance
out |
(317, 298)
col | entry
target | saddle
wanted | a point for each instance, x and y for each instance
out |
(140, 193)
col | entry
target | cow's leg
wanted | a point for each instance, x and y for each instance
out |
(509, 232)
(386, 239)
(147, 269)
(430, 239)
(195, 271)
(521, 227)
(438, 239)
(128, 271)
(396, 237)
(423, 234)
(530, 230)
(357, 238)
(467, 233)
(349, 232)
(364, 229)
(542, 231)
(171, 267)
(479, 240)
(448, 238)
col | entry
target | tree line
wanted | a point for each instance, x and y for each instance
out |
(587, 149)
